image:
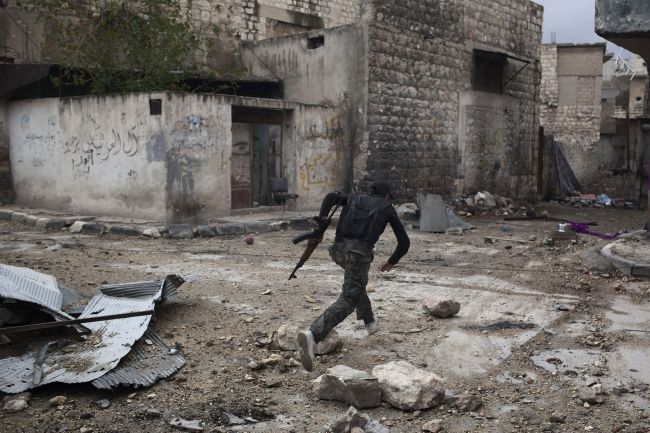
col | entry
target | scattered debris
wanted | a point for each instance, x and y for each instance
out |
(407, 387)
(498, 326)
(354, 419)
(441, 309)
(106, 341)
(184, 424)
(355, 387)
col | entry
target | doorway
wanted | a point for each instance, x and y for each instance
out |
(256, 157)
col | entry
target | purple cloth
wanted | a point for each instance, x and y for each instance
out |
(584, 229)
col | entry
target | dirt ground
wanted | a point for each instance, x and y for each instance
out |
(575, 334)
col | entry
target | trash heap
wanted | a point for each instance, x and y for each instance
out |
(599, 201)
(50, 333)
(483, 203)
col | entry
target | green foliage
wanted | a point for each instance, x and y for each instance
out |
(125, 46)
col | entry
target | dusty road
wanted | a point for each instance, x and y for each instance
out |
(528, 378)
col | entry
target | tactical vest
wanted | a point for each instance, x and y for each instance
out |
(359, 217)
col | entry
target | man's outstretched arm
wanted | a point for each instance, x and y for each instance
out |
(403, 242)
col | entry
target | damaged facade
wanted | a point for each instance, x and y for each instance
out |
(627, 24)
(431, 96)
(571, 103)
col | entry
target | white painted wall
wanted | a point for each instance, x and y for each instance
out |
(77, 155)
(107, 155)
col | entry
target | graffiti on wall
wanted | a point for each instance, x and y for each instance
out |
(320, 167)
(94, 147)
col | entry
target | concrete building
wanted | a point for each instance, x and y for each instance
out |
(443, 95)
(623, 102)
(432, 96)
(571, 103)
(627, 24)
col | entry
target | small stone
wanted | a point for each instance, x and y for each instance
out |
(152, 233)
(441, 310)
(274, 359)
(16, 405)
(58, 400)
(357, 430)
(255, 366)
(77, 226)
(532, 238)
(85, 429)
(557, 418)
(132, 395)
(590, 396)
(434, 426)
(249, 239)
(467, 403)
(151, 396)
(104, 403)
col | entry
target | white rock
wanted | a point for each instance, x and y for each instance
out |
(58, 400)
(16, 403)
(152, 233)
(77, 226)
(348, 385)
(408, 388)
(434, 426)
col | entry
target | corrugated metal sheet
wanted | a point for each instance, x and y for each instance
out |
(145, 288)
(144, 365)
(99, 353)
(27, 285)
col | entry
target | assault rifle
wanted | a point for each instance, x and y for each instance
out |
(314, 238)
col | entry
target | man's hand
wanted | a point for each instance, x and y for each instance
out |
(386, 267)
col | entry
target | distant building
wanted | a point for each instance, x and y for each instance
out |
(572, 77)
(627, 24)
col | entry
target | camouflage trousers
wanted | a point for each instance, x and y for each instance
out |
(354, 257)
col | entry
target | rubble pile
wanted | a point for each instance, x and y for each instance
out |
(484, 203)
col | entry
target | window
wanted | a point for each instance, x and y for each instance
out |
(315, 42)
(155, 107)
(488, 71)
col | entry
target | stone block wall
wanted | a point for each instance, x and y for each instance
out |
(571, 104)
(428, 130)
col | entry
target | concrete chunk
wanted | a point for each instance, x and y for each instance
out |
(126, 231)
(77, 226)
(348, 385)
(205, 231)
(408, 388)
(56, 224)
(181, 231)
(94, 229)
(433, 213)
(258, 227)
(441, 310)
(151, 232)
(18, 217)
(230, 229)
